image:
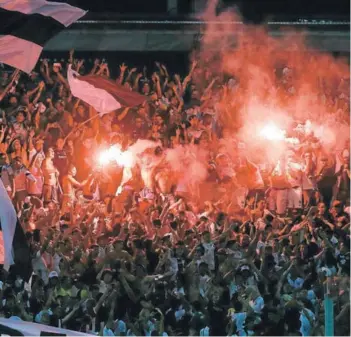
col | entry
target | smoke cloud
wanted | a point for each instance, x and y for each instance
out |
(271, 79)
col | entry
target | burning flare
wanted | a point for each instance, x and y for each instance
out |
(114, 153)
(272, 132)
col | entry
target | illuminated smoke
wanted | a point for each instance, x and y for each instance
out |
(114, 153)
(272, 132)
(273, 80)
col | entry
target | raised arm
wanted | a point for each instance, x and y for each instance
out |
(136, 81)
(95, 67)
(156, 80)
(122, 69)
(281, 281)
(44, 70)
(187, 79)
(15, 76)
(123, 114)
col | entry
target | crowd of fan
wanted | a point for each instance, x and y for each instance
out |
(166, 265)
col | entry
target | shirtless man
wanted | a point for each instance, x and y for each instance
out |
(51, 174)
(163, 179)
(69, 184)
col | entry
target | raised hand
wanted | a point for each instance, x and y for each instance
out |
(41, 85)
(194, 64)
(155, 77)
(123, 67)
(31, 133)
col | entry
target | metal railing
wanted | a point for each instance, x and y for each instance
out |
(319, 22)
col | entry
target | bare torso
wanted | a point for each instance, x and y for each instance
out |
(50, 172)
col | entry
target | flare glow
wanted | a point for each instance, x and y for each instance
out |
(114, 153)
(272, 132)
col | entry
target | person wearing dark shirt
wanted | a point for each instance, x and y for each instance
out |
(326, 181)
(61, 158)
(217, 316)
(140, 129)
(343, 192)
(344, 257)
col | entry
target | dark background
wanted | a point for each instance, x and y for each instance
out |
(256, 11)
(252, 10)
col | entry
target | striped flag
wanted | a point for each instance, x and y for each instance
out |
(26, 26)
(102, 93)
(14, 244)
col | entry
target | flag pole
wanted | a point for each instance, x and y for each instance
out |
(81, 124)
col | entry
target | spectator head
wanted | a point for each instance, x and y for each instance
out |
(324, 160)
(244, 241)
(107, 276)
(53, 278)
(195, 94)
(118, 244)
(322, 208)
(81, 109)
(158, 119)
(3, 158)
(60, 105)
(56, 67)
(13, 101)
(146, 88)
(39, 143)
(25, 100)
(203, 269)
(21, 115)
(207, 119)
(17, 163)
(72, 170)
(16, 145)
(50, 153)
(307, 155)
(60, 143)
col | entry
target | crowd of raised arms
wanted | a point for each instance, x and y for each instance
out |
(198, 237)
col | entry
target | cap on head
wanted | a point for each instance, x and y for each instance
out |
(53, 274)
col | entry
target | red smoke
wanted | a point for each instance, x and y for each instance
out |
(256, 60)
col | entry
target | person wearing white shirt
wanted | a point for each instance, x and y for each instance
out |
(209, 256)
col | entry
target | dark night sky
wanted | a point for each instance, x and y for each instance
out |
(249, 7)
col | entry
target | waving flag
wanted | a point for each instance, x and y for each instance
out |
(26, 26)
(101, 93)
(14, 244)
